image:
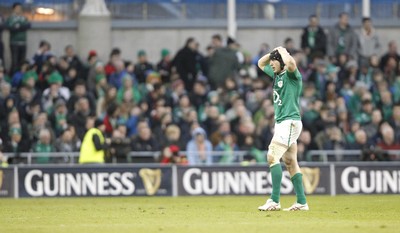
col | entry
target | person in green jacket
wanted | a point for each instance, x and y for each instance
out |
(18, 25)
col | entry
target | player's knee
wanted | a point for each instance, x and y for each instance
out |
(270, 159)
(287, 160)
(275, 153)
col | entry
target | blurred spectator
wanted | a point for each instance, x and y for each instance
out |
(144, 141)
(115, 55)
(313, 39)
(79, 92)
(335, 140)
(164, 66)
(108, 98)
(94, 67)
(264, 49)
(15, 144)
(185, 63)
(111, 118)
(368, 41)
(2, 26)
(388, 141)
(44, 146)
(42, 55)
(305, 144)
(66, 142)
(288, 44)
(128, 92)
(371, 129)
(225, 150)
(58, 117)
(54, 92)
(212, 119)
(78, 117)
(72, 59)
(390, 60)
(222, 64)
(142, 67)
(342, 39)
(395, 121)
(183, 108)
(120, 147)
(171, 154)
(116, 78)
(199, 149)
(16, 80)
(364, 116)
(18, 25)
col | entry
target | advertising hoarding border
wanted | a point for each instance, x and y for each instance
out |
(334, 170)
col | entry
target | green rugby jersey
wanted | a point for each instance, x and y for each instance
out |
(287, 89)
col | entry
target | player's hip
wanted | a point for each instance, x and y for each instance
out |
(287, 131)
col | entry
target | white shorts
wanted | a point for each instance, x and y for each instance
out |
(287, 132)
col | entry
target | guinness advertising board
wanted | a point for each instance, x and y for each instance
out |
(6, 182)
(365, 179)
(246, 180)
(94, 181)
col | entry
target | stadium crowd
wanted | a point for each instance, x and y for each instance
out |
(202, 102)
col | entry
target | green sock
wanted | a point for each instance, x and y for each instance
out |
(297, 181)
(276, 173)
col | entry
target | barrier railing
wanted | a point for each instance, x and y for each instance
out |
(324, 156)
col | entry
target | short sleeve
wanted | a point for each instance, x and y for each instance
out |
(268, 70)
(294, 75)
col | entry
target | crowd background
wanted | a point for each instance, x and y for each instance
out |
(201, 101)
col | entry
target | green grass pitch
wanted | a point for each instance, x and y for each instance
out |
(358, 213)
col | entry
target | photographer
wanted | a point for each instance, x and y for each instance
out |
(94, 145)
(120, 147)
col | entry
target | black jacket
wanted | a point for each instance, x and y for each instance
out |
(320, 41)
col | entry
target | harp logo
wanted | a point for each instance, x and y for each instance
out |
(310, 179)
(151, 179)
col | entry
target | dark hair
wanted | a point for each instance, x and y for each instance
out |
(217, 36)
(188, 41)
(342, 14)
(275, 55)
(115, 51)
(112, 108)
(312, 16)
(79, 82)
(287, 40)
(43, 43)
(15, 4)
(365, 19)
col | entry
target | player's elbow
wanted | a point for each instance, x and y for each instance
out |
(291, 66)
(261, 64)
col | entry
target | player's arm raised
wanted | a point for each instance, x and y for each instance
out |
(287, 59)
(263, 61)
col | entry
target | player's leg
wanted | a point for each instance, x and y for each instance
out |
(275, 153)
(290, 160)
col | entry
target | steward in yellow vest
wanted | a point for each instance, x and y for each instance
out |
(93, 145)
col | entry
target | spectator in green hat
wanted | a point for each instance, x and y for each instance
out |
(29, 79)
(54, 92)
(164, 66)
(142, 67)
(15, 144)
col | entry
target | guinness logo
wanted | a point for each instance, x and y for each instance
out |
(151, 179)
(310, 179)
(1, 179)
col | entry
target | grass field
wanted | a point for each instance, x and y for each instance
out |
(345, 214)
